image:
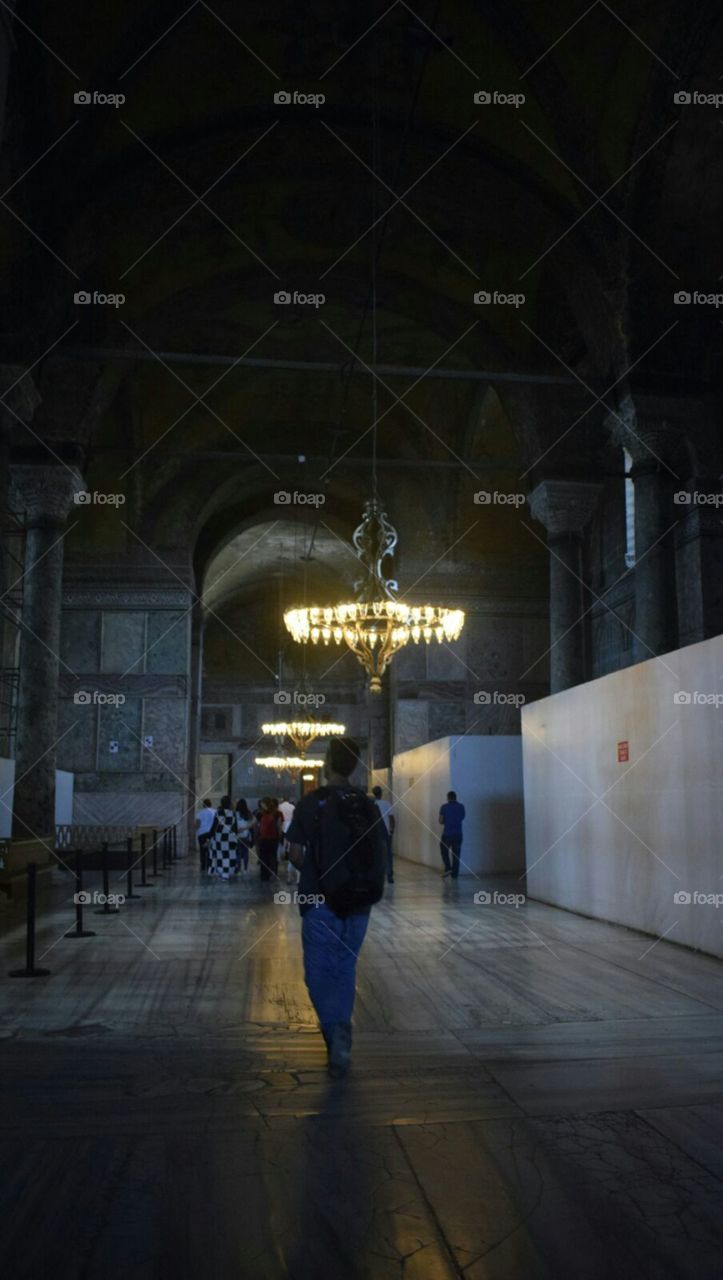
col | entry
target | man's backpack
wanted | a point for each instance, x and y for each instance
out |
(350, 850)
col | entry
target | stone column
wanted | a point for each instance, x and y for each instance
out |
(19, 398)
(379, 726)
(564, 508)
(698, 505)
(653, 432)
(198, 628)
(43, 499)
(655, 629)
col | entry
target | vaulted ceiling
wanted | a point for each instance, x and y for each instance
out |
(200, 197)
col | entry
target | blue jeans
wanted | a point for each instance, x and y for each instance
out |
(451, 845)
(331, 946)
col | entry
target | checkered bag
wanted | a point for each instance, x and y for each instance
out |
(223, 857)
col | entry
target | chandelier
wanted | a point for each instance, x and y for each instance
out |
(288, 762)
(302, 733)
(375, 625)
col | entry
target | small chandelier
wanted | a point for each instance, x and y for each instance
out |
(291, 763)
(302, 733)
(376, 624)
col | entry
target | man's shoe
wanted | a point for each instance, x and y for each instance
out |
(339, 1044)
(445, 874)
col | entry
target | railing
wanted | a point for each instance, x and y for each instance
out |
(75, 836)
(81, 845)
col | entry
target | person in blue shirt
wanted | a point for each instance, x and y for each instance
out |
(451, 817)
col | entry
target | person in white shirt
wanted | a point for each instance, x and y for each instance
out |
(286, 809)
(387, 813)
(204, 822)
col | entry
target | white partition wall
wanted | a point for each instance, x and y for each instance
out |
(624, 797)
(64, 783)
(486, 773)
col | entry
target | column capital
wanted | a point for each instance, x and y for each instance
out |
(43, 495)
(564, 506)
(655, 429)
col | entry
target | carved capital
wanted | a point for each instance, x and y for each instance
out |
(564, 506)
(654, 429)
(43, 495)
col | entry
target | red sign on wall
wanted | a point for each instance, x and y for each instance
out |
(623, 752)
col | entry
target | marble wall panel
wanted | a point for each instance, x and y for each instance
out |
(411, 724)
(495, 651)
(80, 639)
(77, 729)
(446, 719)
(146, 808)
(123, 641)
(165, 720)
(123, 725)
(448, 661)
(167, 642)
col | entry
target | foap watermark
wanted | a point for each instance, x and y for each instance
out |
(290, 898)
(283, 298)
(83, 298)
(88, 898)
(694, 98)
(485, 898)
(283, 498)
(498, 498)
(684, 298)
(93, 697)
(694, 498)
(485, 298)
(84, 498)
(497, 698)
(686, 898)
(495, 98)
(694, 698)
(284, 698)
(286, 98)
(85, 98)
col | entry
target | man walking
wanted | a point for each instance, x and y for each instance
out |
(387, 815)
(204, 822)
(335, 839)
(451, 817)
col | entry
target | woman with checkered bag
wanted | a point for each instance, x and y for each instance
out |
(223, 846)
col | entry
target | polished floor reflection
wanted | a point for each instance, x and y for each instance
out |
(534, 1094)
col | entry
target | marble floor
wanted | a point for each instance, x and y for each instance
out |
(533, 1094)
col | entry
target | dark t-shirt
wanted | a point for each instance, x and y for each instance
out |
(452, 814)
(303, 830)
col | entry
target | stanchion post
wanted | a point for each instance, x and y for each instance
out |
(129, 873)
(30, 970)
(156, 872)
(145, 882)
(106, 909)
(80, 898)
(174, 837)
